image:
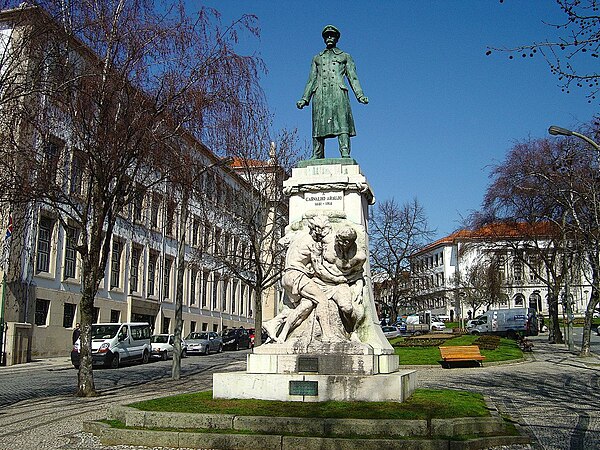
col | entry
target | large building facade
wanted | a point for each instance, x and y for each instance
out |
(468, 272)
(42, 268)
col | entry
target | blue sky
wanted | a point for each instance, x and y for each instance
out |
(440, 111)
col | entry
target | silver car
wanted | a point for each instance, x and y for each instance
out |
(390, 331)
(204, 342)
(163, 346)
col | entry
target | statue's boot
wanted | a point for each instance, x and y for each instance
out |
(272, 327)
(318, 148)
(344, 143)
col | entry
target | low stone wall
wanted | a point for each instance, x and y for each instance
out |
(291, 433)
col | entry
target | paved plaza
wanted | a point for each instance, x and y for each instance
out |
(553, 394)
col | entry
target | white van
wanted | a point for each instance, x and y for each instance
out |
(506, 322)
(113, 343)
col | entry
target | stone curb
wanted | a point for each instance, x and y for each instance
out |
(274, 425)
(485, 364)
(51, 364)
(176, 439)
(321, 434)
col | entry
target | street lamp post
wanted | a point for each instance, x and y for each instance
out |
(558, 131)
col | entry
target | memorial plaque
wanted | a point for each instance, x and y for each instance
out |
(325, 200)
(308, 364)
(304, 388)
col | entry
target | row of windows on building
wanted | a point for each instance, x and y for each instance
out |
(429, 282)
(520, 272)
(204, 287)
(518, 300)
(42, 315)
(428, 262)
(209, 239)
(153, 209)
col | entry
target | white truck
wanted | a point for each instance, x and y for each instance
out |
(506, 322)
(415, 325)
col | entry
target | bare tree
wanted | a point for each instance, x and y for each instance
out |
(580, 190)
(185, 175)
(547, 191)
(573, 50)
(480, 283)
(396, 232)
(114, 93)
(249, 249)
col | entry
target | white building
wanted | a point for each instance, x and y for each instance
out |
(139, 279)
(444, 273)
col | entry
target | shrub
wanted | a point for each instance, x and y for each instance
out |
(420, 342)
(487, 342)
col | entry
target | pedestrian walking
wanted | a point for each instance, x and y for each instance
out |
(76, 333)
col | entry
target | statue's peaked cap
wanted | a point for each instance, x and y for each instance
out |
(330, 29)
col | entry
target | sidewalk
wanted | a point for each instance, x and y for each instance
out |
(54, 363)
(541, 344)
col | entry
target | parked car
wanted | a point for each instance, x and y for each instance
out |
(163, 346)
(471, 322)
(204, 342)
(113, 343)
(438, 325)
(390, 331)
(236, 338)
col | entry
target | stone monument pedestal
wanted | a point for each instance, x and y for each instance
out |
(356, 363)
(309, 387)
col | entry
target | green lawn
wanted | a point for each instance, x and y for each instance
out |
(423, 404)
(507, 350)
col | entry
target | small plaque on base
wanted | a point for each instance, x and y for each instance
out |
(304, 388)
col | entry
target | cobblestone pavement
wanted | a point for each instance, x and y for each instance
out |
(55, 422)
(554, 395)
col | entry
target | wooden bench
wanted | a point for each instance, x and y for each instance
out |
(460, 353)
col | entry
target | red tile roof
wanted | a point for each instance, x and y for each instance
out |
(498, 230)
(241, 162)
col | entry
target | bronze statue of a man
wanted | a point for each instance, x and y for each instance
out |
(331, 113)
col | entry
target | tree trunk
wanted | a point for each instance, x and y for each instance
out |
(94, 255)
(258, 316)
(587, 326)
(176, 369)
(85, 381)
(554, 333)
